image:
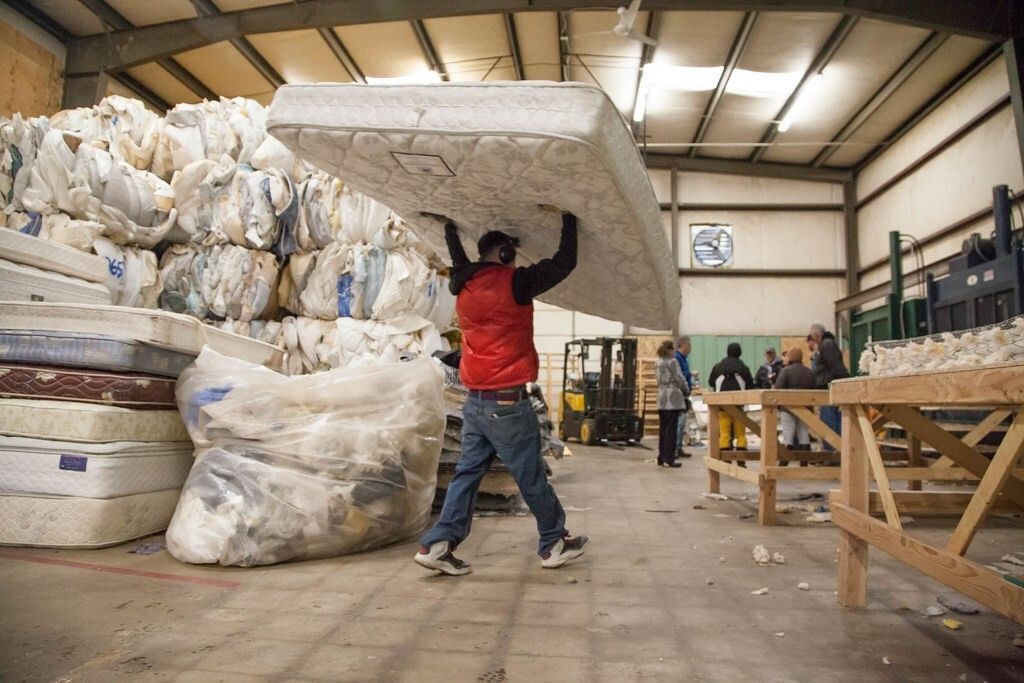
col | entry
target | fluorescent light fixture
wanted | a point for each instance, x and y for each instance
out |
(688, 78)
(807, 93)
(420, 78)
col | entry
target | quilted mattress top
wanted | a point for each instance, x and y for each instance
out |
(33, 251)
(487, 154)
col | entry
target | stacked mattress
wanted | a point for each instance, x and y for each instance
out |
(32, 269)
(93, 451)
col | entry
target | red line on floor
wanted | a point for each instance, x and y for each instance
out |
(218, 583)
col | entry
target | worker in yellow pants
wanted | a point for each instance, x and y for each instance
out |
(726, 426)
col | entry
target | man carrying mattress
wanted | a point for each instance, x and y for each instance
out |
(495, 307)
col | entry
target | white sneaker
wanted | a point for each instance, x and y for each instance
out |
(440, 558)
(566, 549)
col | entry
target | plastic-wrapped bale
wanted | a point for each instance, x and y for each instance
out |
(19, 140)
(294, 276)
(127, 129)
(268, 331)
(361, 217)
(305, 467)
(133, 279)
(321, 214)
(234, 128)
(327, 293)
(88, 183)
(220, 281)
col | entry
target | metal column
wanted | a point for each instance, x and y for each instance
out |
(674, 237)
(1013, 51)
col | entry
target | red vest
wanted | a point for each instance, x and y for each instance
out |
(497, 333)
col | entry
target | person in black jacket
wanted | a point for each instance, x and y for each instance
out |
(766, 374)
(828, 367)
(731, 374)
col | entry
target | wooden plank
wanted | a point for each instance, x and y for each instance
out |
(915, 460)
(930, 474)
(794, 397)
(947, 444)
(803, 473)
(892, 513)
(817, 426)
(733, 398)
(714, 452)
(970, 578)
(991, 484)
(735, 413)
(734, 471)
(984, 386)
(985, 427)
(769, 458)
(922, 503)
(853, 492)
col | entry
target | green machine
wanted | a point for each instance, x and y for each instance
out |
(599, 395)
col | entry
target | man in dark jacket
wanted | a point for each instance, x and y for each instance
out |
(828, 367)
(495, 308)
(731, 374)
(795, 375)
(766, 374)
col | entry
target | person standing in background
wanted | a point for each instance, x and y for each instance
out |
(731, 374)
(766, 374)
(795, 375)
(672, 393)
(829, 367)
(682, 356)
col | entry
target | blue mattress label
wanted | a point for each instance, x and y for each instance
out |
(75, 463)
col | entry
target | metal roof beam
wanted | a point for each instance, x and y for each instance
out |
(342, 54)
(683, 162)
(821, 60)
(206, 8)
(40, 19)
(427, 46)
(921, 54)
(144, 93)
(646, 55)
(513, 47)
(563, 46)
(986, 19)
(735, 52)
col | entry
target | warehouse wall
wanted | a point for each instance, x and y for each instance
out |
(948, 188)
(31, 63)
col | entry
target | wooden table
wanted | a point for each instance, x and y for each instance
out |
(798, 402)
(1001, 389)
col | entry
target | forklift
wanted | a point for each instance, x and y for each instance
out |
(601, 406)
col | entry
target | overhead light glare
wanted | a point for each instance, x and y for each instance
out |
(807, 93)
(419, 78)
(762, 83)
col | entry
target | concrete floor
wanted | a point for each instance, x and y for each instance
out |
(638, 606)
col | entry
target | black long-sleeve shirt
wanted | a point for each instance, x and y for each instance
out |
(528, 281)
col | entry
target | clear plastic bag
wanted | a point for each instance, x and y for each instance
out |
(305, 467)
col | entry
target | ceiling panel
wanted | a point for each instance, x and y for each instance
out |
(224, 70)
(470, 46)
(384, 50)
(538, 45)
(169, 88)
(146, 13)
(780, 43)
(869, 56)
(609, 60)
(300, 56)
(235, 5)
(72, 15)
(955, 55)
(699, 39)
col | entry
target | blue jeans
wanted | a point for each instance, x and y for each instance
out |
(831, 416)
(682, 430)
(511, 432)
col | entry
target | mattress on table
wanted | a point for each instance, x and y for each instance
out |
(71, 522)
(163, 329)
(487, 154)
(89, 470)
(52, 256)
(142, 392)
(19, 282)
(90, 351)
(70, 421)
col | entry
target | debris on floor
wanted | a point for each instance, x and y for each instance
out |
(667, 511)
(745, 515)
(932, 611)
(709, 582)
(1012, 559)
(570, 508)
(955, 604)
(698, 506)
(147, 548)
(809, 496)
(573, 579)
(952, 624)
(722, 558)
(761, 555)
(885, 660)
(780, 634)
(760, 591)
(778, 558)
(906, 519)
(819, 517)
(804, 586)
(714, 496)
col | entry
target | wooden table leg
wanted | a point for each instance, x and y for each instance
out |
(714, 452)
(853, 492)
(914, 460)
(769, 458)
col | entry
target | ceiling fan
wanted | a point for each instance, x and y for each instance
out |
(624, 27)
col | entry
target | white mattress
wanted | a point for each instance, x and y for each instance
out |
(19, 282)
(71, 421)
(109, 470)
(158, 328)
(59, 258)
(68, 522)
(486, 154)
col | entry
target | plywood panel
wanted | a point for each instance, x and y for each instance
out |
(538, 45)
(146, 13)
(221, 67)
(300, 57)
(780, 43)
(384, 50)
(986, 88)
(157, 79)
(30, 75)
(869, 56)
(955, 55)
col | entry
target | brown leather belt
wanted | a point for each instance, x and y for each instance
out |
(509, 394)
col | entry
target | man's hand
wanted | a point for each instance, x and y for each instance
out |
(550, 208)
(436, 217)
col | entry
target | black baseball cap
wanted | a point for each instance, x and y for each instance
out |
(495, 238)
